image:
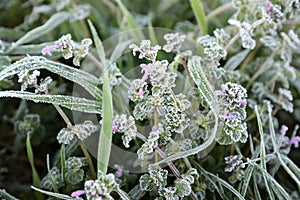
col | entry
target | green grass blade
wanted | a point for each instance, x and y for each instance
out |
(70, 102)
(105, 138)
(84, 79)
(52, 194)
(200, 15)
(137, 34)
(50, 174)
(263, 153)
(52, 23)
(35, 177)
(98, 44)
(63, 162)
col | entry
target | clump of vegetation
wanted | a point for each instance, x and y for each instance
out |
(205, 107)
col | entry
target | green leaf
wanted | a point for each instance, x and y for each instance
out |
(105, 138)
(57, 195)
(50, 174)
(236, 60)
(137, 34)
(72, 103)
(98, 43)
(200, 15)
(123, 195)
(206, 91)
(63, 162)
(35, 177)
(84, 79)
(263, 153)
(52, 23)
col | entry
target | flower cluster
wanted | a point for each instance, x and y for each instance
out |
(126, 126)
(152, 142)
(98, 189)
(145, 50)
(233, 101)
(157, 180)
(82, 131)
(212, 47)
(67, 46)
(246, 33)
(174, 42)
(29, 79)
(235, 165)
(74, 174)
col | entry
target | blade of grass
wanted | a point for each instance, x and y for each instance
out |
(98, 44)
(137, 34)
(263, 153)
(50, 174)
(57, 195)
(200, 15)
(104, 146)
(52, 23)
(63, 162)
(35, 177)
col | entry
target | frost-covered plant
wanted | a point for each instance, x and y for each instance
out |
(215, 102)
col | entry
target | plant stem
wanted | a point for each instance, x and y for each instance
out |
(235, 38)
(219, 10)
(87, 156)
(81, 144)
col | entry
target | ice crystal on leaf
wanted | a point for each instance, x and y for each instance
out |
(82, 131)
(125, 126)
(145, 50)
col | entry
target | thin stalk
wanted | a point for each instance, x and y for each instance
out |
(219, 10)
(81, 144)
(235, 38)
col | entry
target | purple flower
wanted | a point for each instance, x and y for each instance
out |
(228, 115)
(244, 102)
(295, 141)
(115, 127)
(119, 171)
(78, 193)
(146, 68)
(224, 87)
(219, 93)
(283, 130)
(89, 183)
(48, 49)
(131, 89)
(154, 128)
(141, 93)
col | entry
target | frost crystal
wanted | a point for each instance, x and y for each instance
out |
(246, 33)
(74, 172)
(46, 182)
(28, 78)
(126, 126)
(174, 41)
(145, 50)
(82, 131)
(100, 188)
(233, 162)
(81, 51)
(67, 45)
(151, 143)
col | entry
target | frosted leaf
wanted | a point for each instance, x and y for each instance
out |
(270, 42)
(233, 162)
(74, 173)
(29, 124)
(46, 182)
(183, 187)
(174, 42)
(43, 87)
(101, 188)
(82, 131)
(64, 136)
(67, 45)
(81, 51)
(125, 126)
(145, 50)
(169, 193)
(85, 129)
